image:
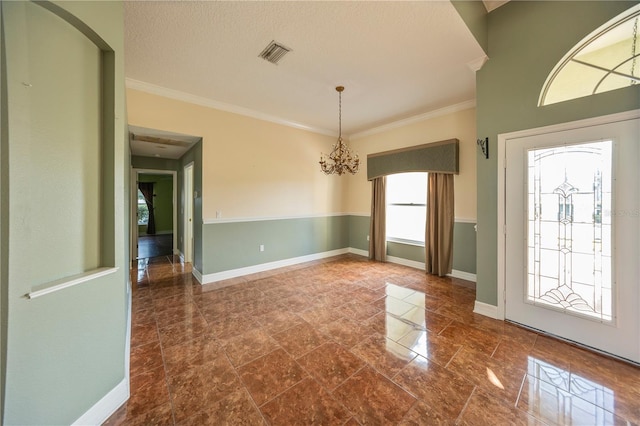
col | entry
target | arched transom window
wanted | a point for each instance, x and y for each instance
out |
(607, 59)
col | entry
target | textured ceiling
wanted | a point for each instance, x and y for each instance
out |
(395, 59)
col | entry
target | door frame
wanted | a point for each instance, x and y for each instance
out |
(503, 139)
(134, 206)
(188, 193)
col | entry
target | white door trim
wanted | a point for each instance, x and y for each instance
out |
(188, 207)
(501, 217)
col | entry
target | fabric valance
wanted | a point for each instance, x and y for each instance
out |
(437, 157)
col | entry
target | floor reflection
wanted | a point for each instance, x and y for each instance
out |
(562, 397)
(405, 319)
(350, 341)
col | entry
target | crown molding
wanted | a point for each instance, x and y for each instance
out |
(477, 63)
(416, 118)
(210, 103)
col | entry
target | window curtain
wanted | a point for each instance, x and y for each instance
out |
(377, 226)
(147, 192)
(438, 240)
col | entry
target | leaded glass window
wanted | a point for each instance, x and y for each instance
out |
(569, 229)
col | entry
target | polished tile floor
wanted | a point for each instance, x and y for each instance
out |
(155, 245)
(347, 341)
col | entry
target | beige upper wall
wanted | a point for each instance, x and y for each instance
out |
(460, 125)
(251, 168)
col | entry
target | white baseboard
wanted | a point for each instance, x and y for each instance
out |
(263, 267)
(359, 252)
(108, 405)
(197, 275)
(420, 265)
(406, 262)
(127, 345)
(463, 275)
(234, 273)
(485, 309)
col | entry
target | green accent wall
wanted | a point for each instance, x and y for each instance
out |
(65, 351)
(358, 232)
(4, 216)
(464, 244)
(153, 163)
(464, 247)
(474, 15)
(526, 40)
(406, 251)
(162, 202)
(236, 245)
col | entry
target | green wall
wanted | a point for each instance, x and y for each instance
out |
(464, 253)
(162, 202)
(65, 351)
(234, 245)
(526, 39)
(4, 215)
(464, 247)
(153, 163)
(474, 15)
(358, 232)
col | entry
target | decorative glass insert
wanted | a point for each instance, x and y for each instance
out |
(569, 229)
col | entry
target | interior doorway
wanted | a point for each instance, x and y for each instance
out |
(153, 215)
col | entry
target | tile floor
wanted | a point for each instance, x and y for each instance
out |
(347, 341)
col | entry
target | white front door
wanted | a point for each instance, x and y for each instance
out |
(572, 213)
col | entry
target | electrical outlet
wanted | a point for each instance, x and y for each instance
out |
(367, 238)
(261, 247)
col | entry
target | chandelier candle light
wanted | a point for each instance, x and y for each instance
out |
(341, 160)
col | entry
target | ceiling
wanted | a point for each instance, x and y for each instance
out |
(396, 59)
(156, 143)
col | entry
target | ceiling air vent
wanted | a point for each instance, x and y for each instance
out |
(274, 52)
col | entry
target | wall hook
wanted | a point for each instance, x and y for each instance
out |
(484, 146)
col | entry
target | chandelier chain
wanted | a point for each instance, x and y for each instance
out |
(340, 114)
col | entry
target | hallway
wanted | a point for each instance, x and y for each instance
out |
(155, 245)
(348, 341)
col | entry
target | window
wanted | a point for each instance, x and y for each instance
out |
(569, 250)
(143, 210)
(406, 207)
(606, 59)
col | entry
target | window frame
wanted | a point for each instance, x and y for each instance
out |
(418, 243)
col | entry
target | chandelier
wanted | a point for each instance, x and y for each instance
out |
(341, 160)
